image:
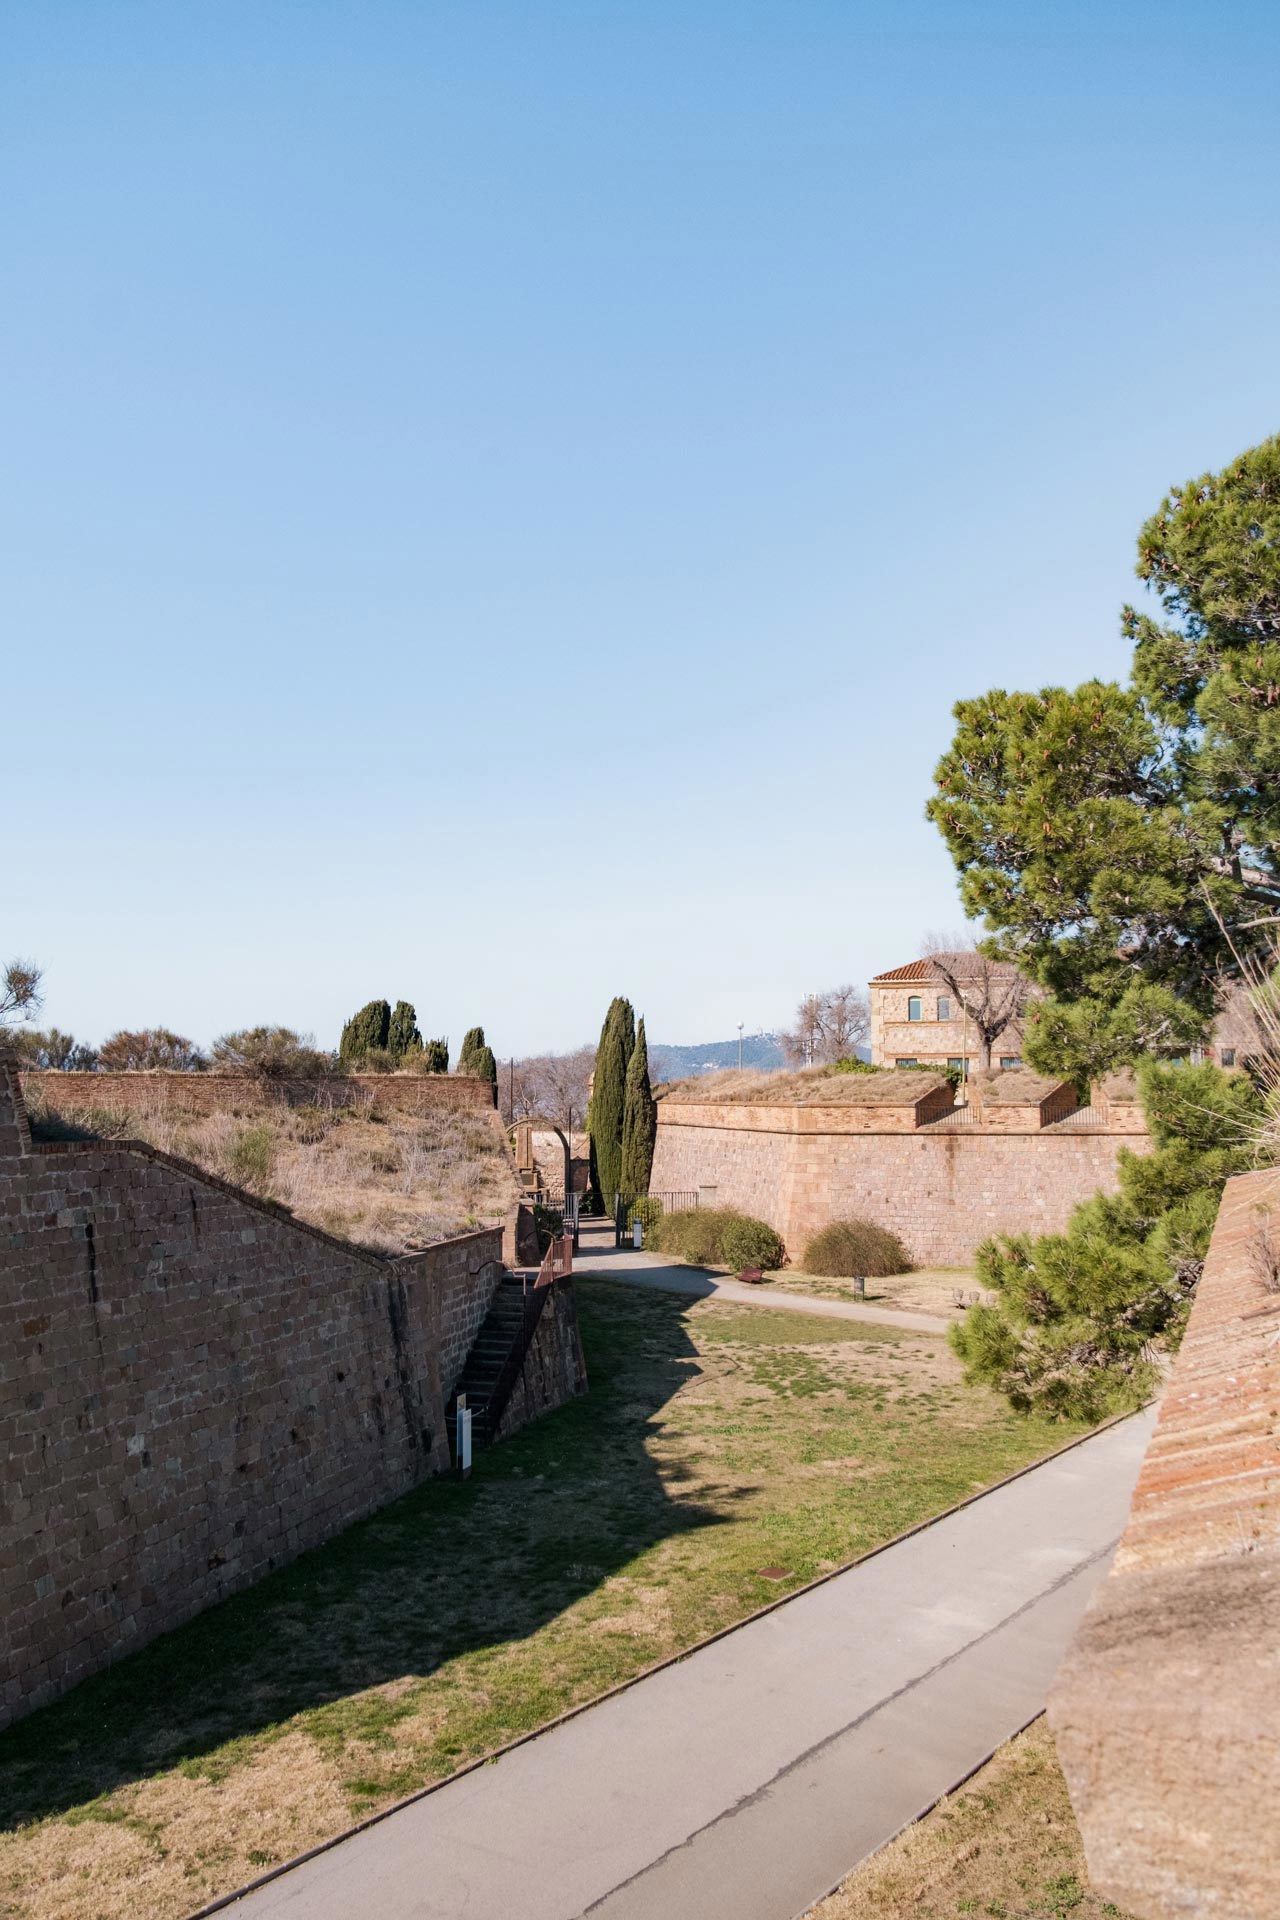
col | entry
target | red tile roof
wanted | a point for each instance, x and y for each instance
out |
(965, 966)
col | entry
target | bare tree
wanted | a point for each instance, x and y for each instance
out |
(548, 1086)
(829, 1026)
(19, 992)
(993, 993)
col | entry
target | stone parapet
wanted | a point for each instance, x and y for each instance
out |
(1166, 1709)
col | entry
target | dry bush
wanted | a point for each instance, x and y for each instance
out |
(849, 1248)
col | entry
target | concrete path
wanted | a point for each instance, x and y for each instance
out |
(598, 1255)
(742, 1782)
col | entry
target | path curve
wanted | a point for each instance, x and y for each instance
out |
(743, 1781)
(601, 1260)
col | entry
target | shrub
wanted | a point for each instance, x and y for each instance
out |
(251, 1157)
(718, 1237)
(150, 1048)
(271, 1053)
(849, 1247)
(750, 1243)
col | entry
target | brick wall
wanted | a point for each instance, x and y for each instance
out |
(205, 1093)
(941, 1191)
(464, 1275)
(554, 1369)
(1164, 1709)
(194, 1388)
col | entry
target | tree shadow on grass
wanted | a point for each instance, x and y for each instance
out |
(449, 1569)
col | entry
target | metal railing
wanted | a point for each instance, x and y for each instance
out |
(650, 1208)
(557, 1264)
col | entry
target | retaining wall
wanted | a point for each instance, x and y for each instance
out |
(942, 1190)
(554, 1369)
(1165, 1707)
(205, 1093)
(194, 1387)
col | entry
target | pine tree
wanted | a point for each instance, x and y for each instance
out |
(608, 1099)
(403, 1037)
(435, 1056)
(1080, 1314)
(639, 1122)
(365, 1032)
(1123, 843)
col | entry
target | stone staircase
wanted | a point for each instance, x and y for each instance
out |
(503, 1332)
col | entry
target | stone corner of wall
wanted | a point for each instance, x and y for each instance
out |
(15, 1132)
(1159, 1707)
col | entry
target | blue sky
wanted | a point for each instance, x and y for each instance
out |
(498, 502)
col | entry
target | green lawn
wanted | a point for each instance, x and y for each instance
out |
(715, 1441)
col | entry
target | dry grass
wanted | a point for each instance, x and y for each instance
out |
(811, 1087)
(929, 1290)
(715, 1441)
(1005, 1846)
(388, 1181)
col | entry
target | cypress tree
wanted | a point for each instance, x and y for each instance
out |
(608, 1098)
(435, 1056)
(365, 1032)
(485, 1067)
(402, 1034)
(639, 1122)
(472, 1041)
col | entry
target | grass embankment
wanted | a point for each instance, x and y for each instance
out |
(715, 1441)
(1005, 1846)
(388, 1181)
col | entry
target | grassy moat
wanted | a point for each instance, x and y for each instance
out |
(715, 1441)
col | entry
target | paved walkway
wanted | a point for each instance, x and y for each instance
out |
(742, 1782)
(598, 1255)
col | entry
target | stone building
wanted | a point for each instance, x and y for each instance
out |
(919, 1020)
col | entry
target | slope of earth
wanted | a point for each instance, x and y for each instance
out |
(389, 1181)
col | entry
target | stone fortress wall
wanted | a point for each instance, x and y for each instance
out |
(1018, 1159)
(1164, 1708)
(194, 1388)
(201, 1094)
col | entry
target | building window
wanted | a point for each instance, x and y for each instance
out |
(906, 1063)
(956, 1065)
(1010, 1060)
(1228, 1056)
(944, 1007)
(913, 1008)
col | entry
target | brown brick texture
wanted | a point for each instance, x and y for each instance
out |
(1166, 1709)
(194, 1388)
(942, 1192)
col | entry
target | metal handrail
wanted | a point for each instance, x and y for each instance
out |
(557, 1264)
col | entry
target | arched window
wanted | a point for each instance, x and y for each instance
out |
(944, 1007)
(913, 1007)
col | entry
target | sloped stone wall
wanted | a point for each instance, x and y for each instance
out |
(194, 1387)
(1165, 1708)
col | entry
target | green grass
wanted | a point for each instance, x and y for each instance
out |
(715, 1441)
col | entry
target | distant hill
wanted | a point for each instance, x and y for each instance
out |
(762, 1050)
